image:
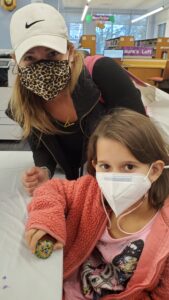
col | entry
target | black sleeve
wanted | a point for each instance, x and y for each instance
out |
(115, 85)
(41, 156)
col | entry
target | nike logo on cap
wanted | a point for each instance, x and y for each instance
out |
(29, 25)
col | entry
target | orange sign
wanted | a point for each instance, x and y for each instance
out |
(8, 4)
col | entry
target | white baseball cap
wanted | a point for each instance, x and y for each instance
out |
(37, 24)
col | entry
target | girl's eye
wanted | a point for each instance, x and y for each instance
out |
(129, 167)
(104, 167)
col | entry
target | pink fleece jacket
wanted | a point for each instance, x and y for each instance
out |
(71, 211)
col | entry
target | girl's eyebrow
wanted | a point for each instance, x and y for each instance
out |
(102, 161)
(130, 162)
(122, 162)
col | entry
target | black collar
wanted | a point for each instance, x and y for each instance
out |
(85, 95)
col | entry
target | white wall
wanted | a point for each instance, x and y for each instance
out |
(150, 27)
(162, 17)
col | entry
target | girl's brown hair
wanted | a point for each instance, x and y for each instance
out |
(136, 132)
(27, 108)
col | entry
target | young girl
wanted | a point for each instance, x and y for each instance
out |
(114, 222)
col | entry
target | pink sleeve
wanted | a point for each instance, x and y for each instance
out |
(162, 289)
(48, 207)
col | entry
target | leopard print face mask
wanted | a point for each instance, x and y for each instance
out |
(46, 78)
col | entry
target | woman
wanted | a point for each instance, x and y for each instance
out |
(55, 100)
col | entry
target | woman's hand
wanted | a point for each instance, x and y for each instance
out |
(33, 177)
(32, 236)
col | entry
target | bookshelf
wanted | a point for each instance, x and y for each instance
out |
(122, 41)
(160, 46)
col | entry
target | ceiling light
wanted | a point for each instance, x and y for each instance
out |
(148, 14)
(88, 1)
(84, 12)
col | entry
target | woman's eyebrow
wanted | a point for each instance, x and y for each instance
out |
(29, 52)
(49, 49)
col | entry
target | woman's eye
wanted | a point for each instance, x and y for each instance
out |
(29, 60)
(53, 54)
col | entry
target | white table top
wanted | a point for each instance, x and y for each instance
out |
(22, 274)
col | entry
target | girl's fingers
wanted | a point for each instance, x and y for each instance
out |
(35, 238)
(32, 237)
(29, 234)
(58, 245)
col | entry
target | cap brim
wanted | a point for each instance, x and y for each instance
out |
(50, 41)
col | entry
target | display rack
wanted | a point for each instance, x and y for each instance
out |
(88, 41)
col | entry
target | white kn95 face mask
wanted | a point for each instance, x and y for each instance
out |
(122, 190)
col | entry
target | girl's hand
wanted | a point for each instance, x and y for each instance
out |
(33, 177)
(32, 236)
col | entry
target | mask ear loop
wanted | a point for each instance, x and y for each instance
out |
(149, 171)
(165, 167)
(15, 69)
(125, 214)
(102, 200)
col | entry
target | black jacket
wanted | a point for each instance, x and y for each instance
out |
(69, 150)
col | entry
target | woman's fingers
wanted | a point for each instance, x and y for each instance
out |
(33, 177)
(30, 176)
(32, 171)
(30, 191)
(30, 180)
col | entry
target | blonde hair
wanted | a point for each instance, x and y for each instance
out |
(27, 108)
(136, 132)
